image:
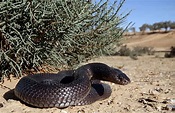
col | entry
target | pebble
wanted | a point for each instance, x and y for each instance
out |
(63, 111)
(170, 107)
(154, 92)
(171, 101)
(159, 107)
(80, 111)
(1, 105)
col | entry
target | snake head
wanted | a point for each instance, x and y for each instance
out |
(119, 77)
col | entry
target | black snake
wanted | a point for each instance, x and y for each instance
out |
(71, 87)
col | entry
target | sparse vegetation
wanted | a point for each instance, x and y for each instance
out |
(136, 51)
(123, 51)
(171, 53)
(143, 50)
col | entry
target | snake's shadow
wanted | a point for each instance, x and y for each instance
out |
(11, 95)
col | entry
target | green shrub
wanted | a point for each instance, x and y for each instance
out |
(56, 32)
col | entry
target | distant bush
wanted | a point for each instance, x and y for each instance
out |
(124, 51)
(171, 53)
(143, 50)
(136, 51)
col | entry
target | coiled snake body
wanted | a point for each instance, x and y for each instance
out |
(71, 87)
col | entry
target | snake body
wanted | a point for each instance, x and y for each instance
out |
(71, 87)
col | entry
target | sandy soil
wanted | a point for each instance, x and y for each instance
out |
(160, 41)
(152, 86)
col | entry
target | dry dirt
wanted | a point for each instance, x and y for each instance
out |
(152, 89)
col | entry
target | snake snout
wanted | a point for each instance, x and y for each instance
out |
(120, 77)
(125, 82)
(123, 78)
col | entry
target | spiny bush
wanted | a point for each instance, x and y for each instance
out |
(171, 53)
(56, 32)
(142, 50)
(124, 51)
(136, 51)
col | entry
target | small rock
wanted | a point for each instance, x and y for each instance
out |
(126, 108)
(119, 103)
(159, 108)
(158, 89)
(171, 101)
(146, 100)
(63, 111)
(149, 108)
(167, 91)
(154, 92)
(131, 96)
(170, 107)
(110, 102)
(1, 105)
(80, 111)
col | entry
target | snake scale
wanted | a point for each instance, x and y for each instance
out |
(69, 88)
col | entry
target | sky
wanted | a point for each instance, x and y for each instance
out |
(148, 11)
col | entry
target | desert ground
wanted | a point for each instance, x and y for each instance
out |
(161, 41)
(152, 87)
